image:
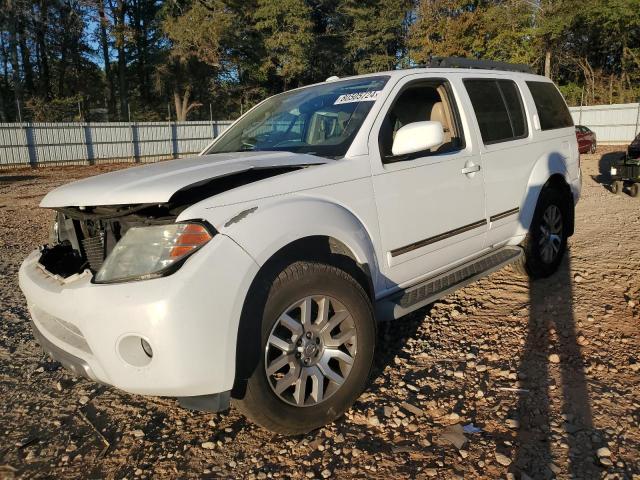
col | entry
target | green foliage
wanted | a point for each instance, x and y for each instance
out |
(446, 28)
(199, 31)
(572, 93)
(375, 32)
(55, 110)
(287, 34)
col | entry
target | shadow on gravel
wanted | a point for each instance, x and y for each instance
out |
(551, 345)
(604, 167)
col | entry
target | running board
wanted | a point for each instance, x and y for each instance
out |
(412, 298)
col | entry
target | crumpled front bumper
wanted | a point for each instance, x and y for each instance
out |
(189, 318)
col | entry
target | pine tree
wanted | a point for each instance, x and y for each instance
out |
(286, 27)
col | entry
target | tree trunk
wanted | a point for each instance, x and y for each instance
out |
(5, 61)
(610, 88)
(63, 68)
(5, 79)
(111, 105)
(122, 59)
(62, 80)
(43, 55)
(183, 107)
(13, 54)
(547, 63)
(25, 56)
(139, 22)
(3, 115)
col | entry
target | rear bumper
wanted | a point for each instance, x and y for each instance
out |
(189, 318)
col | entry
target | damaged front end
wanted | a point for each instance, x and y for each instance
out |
(83, 237)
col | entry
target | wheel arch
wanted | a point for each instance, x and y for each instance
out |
(549, 172)
(558, 182)
(316, 248)
(289, 230)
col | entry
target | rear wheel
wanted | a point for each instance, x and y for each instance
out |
(546, 242)
(616, 187)
(318, 337)
(633, 190)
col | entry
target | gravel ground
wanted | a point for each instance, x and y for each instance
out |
(504, 379)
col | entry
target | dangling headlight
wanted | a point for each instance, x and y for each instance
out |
(150, 252)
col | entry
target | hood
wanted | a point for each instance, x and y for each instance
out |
(158, 182)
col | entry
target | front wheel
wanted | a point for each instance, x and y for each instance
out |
(318, 337)
(633, 190)
(546, 242)
(593, 147)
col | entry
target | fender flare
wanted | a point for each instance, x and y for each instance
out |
(544, 170)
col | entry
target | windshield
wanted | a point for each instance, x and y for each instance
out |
(321, 120)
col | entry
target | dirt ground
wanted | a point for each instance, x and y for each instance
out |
(504, 379)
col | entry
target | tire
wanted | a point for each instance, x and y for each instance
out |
(633, 190)
(294, 409)
(616, 187)
(543, 252)
(593, 148)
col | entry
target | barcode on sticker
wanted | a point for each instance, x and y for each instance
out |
(369, 96)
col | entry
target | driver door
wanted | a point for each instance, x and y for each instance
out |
(430, 204)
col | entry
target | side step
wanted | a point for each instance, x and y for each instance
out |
(398, 304)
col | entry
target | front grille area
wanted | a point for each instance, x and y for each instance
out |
(94, 251)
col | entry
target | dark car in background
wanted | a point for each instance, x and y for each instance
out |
(586, 139)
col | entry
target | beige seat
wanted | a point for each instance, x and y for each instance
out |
(438, 114)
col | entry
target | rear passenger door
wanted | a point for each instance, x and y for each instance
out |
(505, 138)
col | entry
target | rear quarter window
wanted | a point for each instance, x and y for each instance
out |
(552, 111)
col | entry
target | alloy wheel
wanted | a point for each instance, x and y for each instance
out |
(310, 351)
(551, 230)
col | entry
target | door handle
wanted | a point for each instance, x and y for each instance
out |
(471, 169)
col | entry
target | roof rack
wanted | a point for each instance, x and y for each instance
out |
(460, 62)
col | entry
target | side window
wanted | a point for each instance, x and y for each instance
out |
(420, 101)
(515, 108)
(552, 111)
(498, 108)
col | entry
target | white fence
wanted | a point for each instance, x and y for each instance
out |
(33, 144)
(613, 124)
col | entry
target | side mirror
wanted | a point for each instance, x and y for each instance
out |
(417, 137)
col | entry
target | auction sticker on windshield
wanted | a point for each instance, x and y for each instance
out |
(368, 96)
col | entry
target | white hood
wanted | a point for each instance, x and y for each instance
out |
(157, 182)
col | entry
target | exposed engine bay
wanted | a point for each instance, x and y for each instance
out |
(83, 237)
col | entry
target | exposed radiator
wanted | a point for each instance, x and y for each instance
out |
(94, 251)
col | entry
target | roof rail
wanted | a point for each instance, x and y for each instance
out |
(460, 62)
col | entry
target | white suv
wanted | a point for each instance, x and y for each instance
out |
(257, 270)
